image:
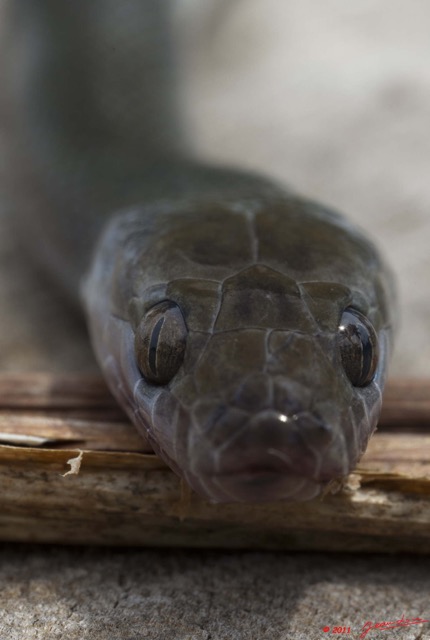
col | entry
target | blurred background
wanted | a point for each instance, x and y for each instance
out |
(331, 98)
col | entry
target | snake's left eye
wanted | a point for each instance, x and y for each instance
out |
(358, 344)
(159, 342)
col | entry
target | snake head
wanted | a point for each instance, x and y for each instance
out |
(252, 361)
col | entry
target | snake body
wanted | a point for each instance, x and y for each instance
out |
(244, 329)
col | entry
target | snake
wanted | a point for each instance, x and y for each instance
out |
(244, 329)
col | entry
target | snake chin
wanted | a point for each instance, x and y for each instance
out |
(257, 487)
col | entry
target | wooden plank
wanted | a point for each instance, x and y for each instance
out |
(116, 492)
(406, 403)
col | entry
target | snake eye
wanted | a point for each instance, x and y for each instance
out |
(358, 344)
(159, 342)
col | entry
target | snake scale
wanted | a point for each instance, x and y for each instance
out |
(244, 329)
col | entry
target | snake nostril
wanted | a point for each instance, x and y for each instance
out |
(315, 431)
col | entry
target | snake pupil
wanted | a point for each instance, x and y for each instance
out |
(152, 358)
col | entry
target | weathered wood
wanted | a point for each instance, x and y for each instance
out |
(117, 492)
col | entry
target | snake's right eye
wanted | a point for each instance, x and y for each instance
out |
(358, 344)
(159, 342)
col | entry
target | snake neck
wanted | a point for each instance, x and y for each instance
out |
(92, 124)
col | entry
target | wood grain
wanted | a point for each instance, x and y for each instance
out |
(118, 492)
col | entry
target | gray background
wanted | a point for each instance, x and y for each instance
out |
(333, 98)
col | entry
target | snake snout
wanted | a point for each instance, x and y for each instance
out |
(262, 441)
(269, 456)
(233, 441)
(277, 443)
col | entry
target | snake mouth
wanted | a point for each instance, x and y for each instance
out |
(271, 482)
